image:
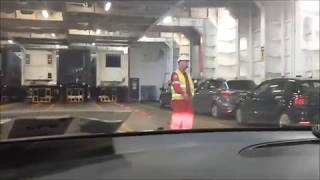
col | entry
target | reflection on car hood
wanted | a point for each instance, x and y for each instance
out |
(45, 123)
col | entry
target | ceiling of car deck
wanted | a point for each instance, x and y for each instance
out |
(77, 21)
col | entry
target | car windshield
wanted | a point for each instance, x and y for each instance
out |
(215, 83)
(310, 86)
(78, 67)
(241, 85)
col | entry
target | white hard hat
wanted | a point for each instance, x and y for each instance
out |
(183, 57)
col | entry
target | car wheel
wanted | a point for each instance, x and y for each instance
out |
(239, 116)
(215, 111)
(284, 120)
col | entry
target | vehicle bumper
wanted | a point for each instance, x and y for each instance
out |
(227, 108)
(304, 117)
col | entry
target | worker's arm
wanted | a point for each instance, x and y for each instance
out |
(176, 83)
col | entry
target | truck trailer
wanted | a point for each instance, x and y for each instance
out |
(76, 75)
(10, 75)
(112, 75)
(39, 75)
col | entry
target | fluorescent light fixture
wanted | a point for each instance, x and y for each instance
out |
(167, 19)
(45, 13)
(107, 6)
(98, 31)
(93, 44)
(57, 46)
(53, 34)
(143, 38)
(243, 43)
(10, 41)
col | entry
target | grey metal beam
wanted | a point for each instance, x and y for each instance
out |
(83, 38)
(189, 31)
(217, 3)
(31, 30)
(10, 5)
(97, 19)
(24, 23)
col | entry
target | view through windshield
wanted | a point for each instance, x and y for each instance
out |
(91, 67)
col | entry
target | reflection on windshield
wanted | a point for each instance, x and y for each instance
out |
(241, 85)
(124, 66)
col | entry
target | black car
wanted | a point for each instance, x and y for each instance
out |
(165, 95)
(281, 102)
(220, 97)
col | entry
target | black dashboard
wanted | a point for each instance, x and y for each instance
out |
(184, 155)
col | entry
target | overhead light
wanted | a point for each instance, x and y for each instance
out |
(45, 13)
(93, 44)
(107, 6)
(143, 38)
(167, 19)
(10, 41)
(98, 31)
(57, 46)
(85, 4)
(53, 34)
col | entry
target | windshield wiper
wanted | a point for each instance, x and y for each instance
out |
(291, 142)
(316, 130)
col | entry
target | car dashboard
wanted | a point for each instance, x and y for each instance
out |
(166, 155)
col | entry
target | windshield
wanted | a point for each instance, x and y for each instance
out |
(91, 66)
(241, 85)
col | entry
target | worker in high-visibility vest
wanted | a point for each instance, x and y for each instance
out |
(182, 92)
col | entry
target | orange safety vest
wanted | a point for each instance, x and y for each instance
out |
(183, 85)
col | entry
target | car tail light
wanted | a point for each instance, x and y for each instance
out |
(304, 122)
(300, 100)
(227, 93)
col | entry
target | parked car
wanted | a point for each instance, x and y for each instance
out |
(281, 102)
(165, 95)
(197, 82)
(220, 97)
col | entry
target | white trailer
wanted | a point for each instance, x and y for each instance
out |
(39, 75)
(111, 75)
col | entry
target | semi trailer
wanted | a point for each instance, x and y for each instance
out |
(76, 75)
(111, 75)
(39, 75)
(10, 75)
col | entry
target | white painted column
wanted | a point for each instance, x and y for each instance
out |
(263, 33)
(250, 46)
(282, 46)
(293, 37)
(237, 44)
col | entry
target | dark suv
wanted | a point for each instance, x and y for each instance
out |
(281, 102)
(220, 97)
